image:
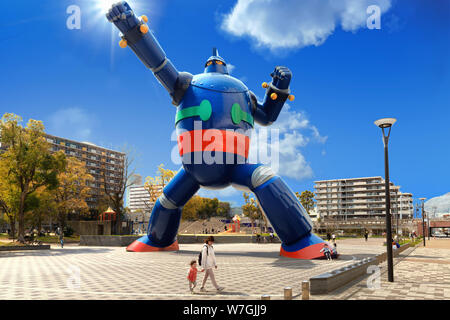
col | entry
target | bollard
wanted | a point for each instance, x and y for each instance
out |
(305, 290)
(287, 293)
(265, 297)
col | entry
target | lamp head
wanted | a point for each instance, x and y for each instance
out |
(385, 122)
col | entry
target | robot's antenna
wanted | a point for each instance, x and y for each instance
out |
(215, 52)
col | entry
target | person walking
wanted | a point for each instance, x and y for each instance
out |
(328, 236)
(208, 263)
(192, 276)
(366, 235)
(333, 238)
(61, 238)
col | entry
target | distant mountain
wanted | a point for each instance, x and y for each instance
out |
(440, 205)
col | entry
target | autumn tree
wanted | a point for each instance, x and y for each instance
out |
(28, 161)
(191, 208)
(251, 209)
(114, 188)
(307, 200)
(73, 188)
(155, 185)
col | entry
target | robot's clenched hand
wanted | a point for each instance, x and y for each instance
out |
(136, 35)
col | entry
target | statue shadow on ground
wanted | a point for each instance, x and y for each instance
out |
(282, 262)
(54, 252)
(222, 293)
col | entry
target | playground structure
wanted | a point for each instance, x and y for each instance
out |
(236, 225)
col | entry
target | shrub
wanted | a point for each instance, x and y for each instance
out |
(68, 231)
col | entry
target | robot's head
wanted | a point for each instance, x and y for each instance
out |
(216, 63)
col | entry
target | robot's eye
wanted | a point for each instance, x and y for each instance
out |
(219, 62)
(209, 63)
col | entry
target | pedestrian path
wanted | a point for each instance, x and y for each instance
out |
(419, 273)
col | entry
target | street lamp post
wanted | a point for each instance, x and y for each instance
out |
(423, 220)
(387, 123)
(396, 214)
(399, 213)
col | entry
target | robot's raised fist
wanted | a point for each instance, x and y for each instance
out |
(122, 16)
(281, 77)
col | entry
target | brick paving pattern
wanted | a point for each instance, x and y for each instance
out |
(247, 271)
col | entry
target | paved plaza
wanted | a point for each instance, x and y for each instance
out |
(247, 271)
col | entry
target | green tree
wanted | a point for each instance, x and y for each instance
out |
(9, 198)
(208, 208)
(306, 199)
(28, 160)
(223, 210)
(46, 207)
(204, 208)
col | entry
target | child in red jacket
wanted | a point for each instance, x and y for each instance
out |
(192, 276)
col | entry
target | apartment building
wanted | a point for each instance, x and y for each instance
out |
(360, 198)
(100, 163)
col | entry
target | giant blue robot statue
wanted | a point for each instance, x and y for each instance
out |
(214, 118)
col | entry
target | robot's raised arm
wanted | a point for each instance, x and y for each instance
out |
(136, 35)
(276, 95)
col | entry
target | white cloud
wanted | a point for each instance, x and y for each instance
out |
(439, 205)
(285, 139)
(221, 193)
(295, 24)
(72, 123)
(231, 68)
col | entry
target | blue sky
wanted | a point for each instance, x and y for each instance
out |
(345, 76)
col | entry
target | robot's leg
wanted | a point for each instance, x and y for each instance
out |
(166, 215)
(284, 211)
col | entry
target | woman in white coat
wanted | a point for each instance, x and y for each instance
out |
(209, 263)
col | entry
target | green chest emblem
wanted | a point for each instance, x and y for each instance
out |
(204, 111)
(238, 115)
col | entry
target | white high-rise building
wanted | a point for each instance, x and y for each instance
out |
(360, 198)
(140, 201)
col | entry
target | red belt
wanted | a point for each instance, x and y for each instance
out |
(214, 140)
